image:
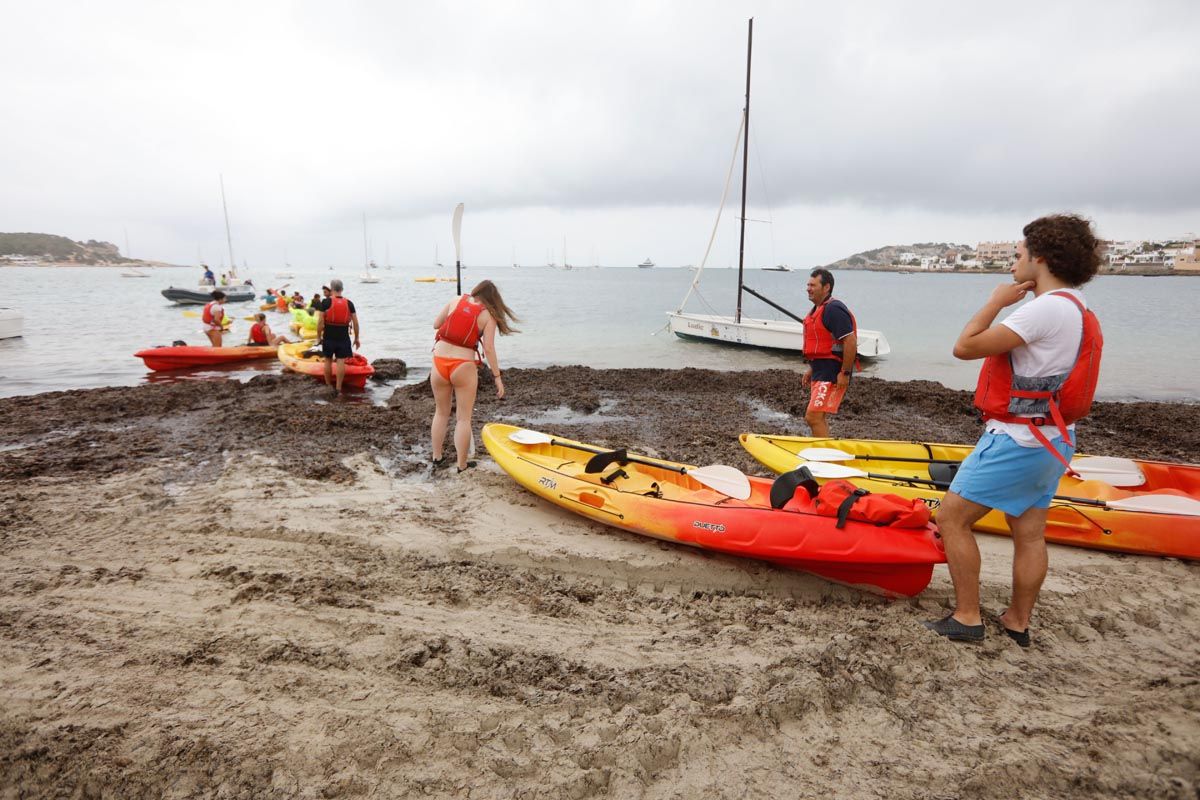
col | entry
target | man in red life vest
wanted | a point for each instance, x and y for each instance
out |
(213, 318)
(1040, 373)
(261, 334)
(830, 347)
(333, 329)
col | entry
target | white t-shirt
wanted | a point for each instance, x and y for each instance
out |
(1052, 328)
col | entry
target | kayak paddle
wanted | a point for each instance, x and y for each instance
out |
(1149, 503)
(1113, 471)
(726, 480)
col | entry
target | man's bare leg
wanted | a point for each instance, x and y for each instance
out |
(955, 518)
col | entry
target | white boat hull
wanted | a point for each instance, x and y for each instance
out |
(768, 334)
(12, 323)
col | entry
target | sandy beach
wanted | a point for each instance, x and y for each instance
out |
(244, 590)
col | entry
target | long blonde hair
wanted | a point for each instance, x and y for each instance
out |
(487, 293)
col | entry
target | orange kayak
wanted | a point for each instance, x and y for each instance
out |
(358, 369)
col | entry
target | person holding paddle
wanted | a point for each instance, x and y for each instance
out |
(463, 327)
(831, 349)
(1038, 377)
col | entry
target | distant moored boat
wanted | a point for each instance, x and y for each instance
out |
(647, 264)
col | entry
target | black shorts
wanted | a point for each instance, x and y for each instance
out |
(826, 369)
(339, 347)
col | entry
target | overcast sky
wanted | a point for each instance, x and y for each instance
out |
(611, 125)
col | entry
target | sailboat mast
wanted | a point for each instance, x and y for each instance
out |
(366, 254)
(228, 237)
(745, 169)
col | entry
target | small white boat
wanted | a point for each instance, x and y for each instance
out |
(647, 264)
(285, 274)
(12, 322)
(367, 277)
(134, 272)
(777, 268)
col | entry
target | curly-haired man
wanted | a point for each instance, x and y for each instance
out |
(1039, 376)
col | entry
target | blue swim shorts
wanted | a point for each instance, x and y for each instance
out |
(1002, 474)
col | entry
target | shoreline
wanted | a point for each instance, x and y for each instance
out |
(243, 589)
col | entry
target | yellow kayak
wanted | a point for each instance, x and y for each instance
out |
(1126, 505)
(307, 333)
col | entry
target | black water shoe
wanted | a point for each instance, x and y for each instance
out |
(954, 630)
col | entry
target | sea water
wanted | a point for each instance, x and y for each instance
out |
(83, 324)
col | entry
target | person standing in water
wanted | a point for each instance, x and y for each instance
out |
(213, 317)
(1039, 376)
(463, 327)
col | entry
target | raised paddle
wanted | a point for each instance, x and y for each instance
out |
(1148, 503)
(1113, 471)
(456, 229)
(726, 480)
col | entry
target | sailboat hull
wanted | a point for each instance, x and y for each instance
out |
(764, 334)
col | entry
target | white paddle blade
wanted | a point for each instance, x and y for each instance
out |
(1119, 479)
(1126, 470)
(820, 469)
(825, 454)
(530, 437)
(728, 481)
(1159, 504)
(456, 229)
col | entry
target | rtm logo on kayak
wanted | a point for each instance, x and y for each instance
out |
(709, 526)
(548, 483)
(933, 502)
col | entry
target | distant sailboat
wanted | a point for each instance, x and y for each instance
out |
(647, 264)
(368, 276)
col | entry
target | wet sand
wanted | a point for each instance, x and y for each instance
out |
(216, 589)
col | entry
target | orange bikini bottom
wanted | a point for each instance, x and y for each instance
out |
(445, 366)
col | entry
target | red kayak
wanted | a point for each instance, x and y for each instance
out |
(184, 356)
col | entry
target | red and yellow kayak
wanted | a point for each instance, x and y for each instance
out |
(1089, 523)
(652, 497)
(184, 356)
(358, 369)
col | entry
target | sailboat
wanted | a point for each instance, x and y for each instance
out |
(369, 275)
(439, 278)
(769, 334)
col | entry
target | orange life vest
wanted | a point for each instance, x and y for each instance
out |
(281, 303)
(258, 333)
(338, 312)
(818, 340)
(462, 324)
(1004, 396)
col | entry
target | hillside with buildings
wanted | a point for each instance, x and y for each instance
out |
(33, 249)
(1134, 257)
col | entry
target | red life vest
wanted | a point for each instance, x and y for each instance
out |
(844, 500)
(338, 312)
(207, 315)
(818, 340)
(462, 324)
(258, 333)
(997, 398)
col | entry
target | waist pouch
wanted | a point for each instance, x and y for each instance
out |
(844, 500)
